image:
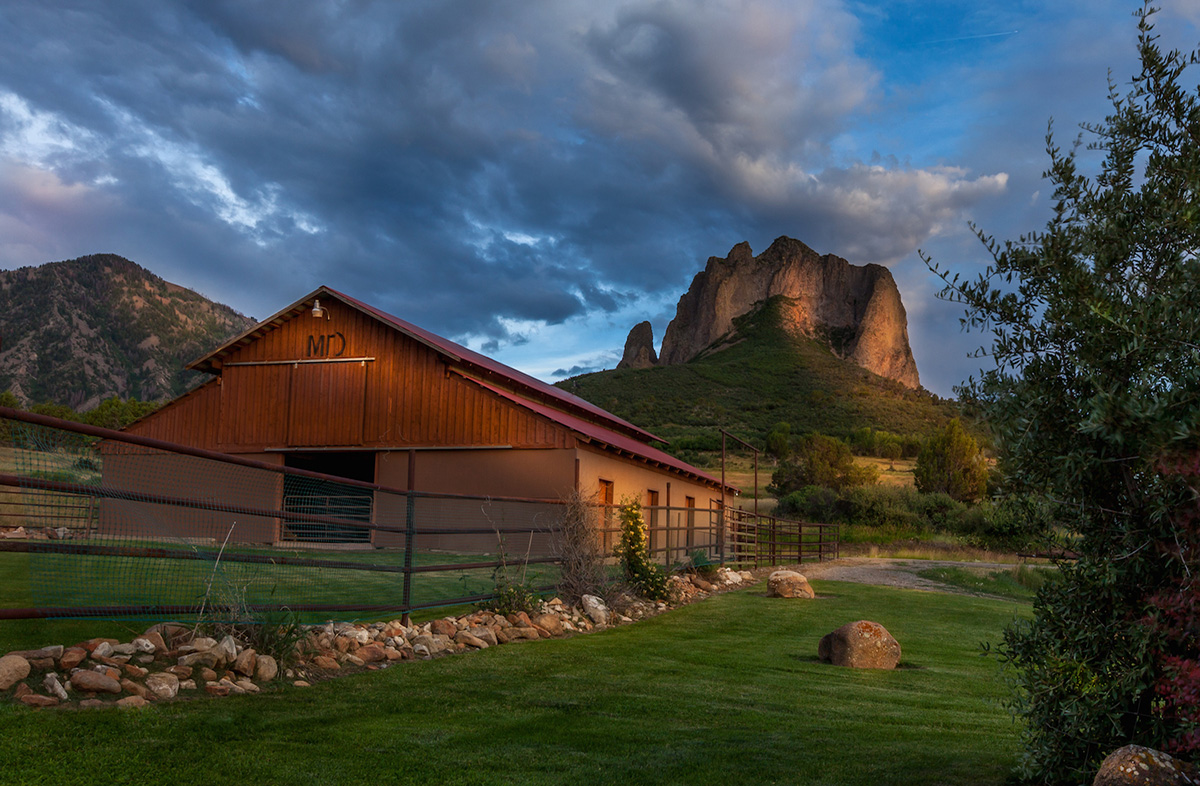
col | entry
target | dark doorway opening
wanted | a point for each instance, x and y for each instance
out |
(318, 497)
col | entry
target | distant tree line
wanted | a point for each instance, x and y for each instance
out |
(817, 479)
(114, 412)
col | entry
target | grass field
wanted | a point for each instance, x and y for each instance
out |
(727, 690)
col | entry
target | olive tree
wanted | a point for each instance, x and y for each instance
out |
(1095, 336)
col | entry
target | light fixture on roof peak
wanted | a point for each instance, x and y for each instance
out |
(318, 311)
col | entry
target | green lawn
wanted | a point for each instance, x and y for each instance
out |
(726, 690)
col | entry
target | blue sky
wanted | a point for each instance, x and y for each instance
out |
(534, 178)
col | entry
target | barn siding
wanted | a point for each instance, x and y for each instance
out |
(404, 396)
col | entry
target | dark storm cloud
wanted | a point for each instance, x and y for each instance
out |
(477, 168)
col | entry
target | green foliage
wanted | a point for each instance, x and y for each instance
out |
(821, 461)
(1021, 581)
(951, 463)
(700, 562)
(1015, 523)
(117, 413)
(868, 441)
(891, 451)
(766, 376)
(1096, 340)
(509, 596)
(778, 441)
(633, 550)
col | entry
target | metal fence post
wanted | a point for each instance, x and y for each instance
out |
(410, 526)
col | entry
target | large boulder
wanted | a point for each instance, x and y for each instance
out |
(860, 645)
(13, 669)
(1134, 765)
(788, 584)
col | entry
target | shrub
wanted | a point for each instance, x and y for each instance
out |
(1095, 323)
(821, 461)
(578, 550)
(633, 550)
(811, 503)
(952, 463)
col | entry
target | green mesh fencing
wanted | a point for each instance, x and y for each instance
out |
(98, 526)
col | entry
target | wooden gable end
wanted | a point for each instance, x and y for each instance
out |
(346, 380)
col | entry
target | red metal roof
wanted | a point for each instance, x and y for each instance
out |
(597, 433)
(479, 363)
(592, 424)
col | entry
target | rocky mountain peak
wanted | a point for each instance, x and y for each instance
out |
(856, 308)
(639, 348)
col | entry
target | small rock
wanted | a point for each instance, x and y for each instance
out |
(55, 652)
(549, 623)
(326, 662)
(466, 638)
(136, 689)
(301, 684)
(247, 686)
(208, 675)
(92, 703)
(135, 671)
(94, 682)
(13, 669)
(55, 688)
(203, 658)
(71, 658)
(200, 644)
(443, 627)
(132, 702)
(594, 607)
(164, 684)
(182, 672)
(22, 691)
(38, 700)
(266, 668)
(484, 634)
(145, 645)
(103, 649)
(218, 688)
(187, 684)
(246, 662)
(227, 650)
(156, 640)
(371, 653)
(123, 649)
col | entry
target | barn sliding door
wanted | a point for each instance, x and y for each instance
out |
(326, 404)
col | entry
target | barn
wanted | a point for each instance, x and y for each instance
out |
(333, 385)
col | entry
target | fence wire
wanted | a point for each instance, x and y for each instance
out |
(95, 523)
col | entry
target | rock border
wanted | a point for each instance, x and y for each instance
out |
(171, 661)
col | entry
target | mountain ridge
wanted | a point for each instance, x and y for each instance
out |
(79, 331)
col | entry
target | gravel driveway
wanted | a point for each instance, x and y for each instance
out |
(889, 572)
